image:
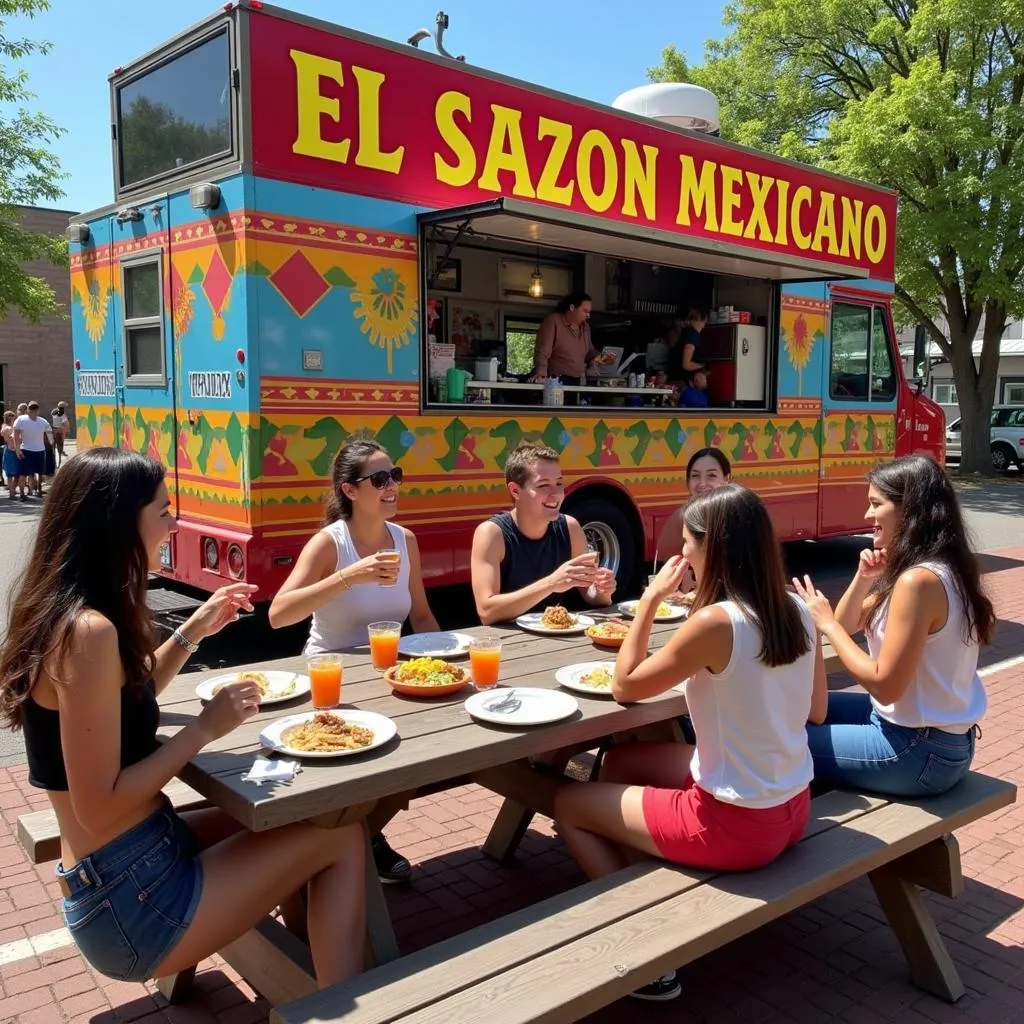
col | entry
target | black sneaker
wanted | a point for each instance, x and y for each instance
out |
(660, 991)
(392, 867)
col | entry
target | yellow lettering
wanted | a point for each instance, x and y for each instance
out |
(826, 226)
(802, 196)
(758, 224)
(369, 153)
(782, 212)
(639, 179)
(596, 141)
(732, 178)
(463, 170)
(875, 234)
(310, 70)
(698, 193)
(506, 152)
(853, 220)
(548, 188)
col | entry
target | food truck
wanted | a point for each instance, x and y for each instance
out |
(318, 235)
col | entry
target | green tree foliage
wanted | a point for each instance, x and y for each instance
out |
(923, 96)
(29, 175)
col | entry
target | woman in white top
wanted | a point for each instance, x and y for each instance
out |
(753, 678)
(917, 595)
(344, 582)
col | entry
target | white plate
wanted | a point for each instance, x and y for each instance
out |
(383, 730)
(538, 707)
(570, 677)
(280, 688)
(531, 623)
(435, 645)
(678, 611)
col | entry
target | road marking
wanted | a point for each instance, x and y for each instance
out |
(1001, 666)
(11, 952)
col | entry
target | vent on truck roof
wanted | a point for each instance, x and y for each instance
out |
(675, 103)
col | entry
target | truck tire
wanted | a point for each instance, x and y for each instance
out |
(610, 532)
(1003, 457)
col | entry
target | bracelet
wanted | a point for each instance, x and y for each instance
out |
(183, 641)
(345, 585)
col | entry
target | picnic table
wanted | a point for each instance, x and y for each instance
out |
(439, 746)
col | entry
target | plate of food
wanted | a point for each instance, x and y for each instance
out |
(681, 600)
(609, 633)
(521, 705)
(275, 687)
(435, 645)
(321, 734)
(554, 621)
(666, 611)
(590, 677)
(426, 677)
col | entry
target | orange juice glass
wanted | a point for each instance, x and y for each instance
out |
(485, 661)
(384, 638)
(325, 680)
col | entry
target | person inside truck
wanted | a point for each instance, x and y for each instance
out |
(564, 348)
(147, 891)
(347, 576)
(695, 324)
(695, 394)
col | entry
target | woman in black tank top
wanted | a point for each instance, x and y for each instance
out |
(147, 892)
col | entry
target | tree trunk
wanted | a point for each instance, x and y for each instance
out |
(976, 390)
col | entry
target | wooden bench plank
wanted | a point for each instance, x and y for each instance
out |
(40, 837)
(412, 982)
(564, 959)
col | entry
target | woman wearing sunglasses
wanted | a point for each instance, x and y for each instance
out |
(347, 576)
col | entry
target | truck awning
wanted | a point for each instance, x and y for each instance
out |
(535, 224)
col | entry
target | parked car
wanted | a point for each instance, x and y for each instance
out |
(1006, 436)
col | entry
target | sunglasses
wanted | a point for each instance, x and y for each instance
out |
(383, 477)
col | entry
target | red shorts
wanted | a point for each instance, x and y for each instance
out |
(689, 826)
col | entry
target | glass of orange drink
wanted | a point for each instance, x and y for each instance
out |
(485, 661)
(384, 638)
(390, 555)
(325, 680)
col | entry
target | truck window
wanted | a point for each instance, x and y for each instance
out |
(883, 372)
(862, 367)
(176, 115)
(143, 322)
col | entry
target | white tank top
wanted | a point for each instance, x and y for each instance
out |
(750, 721)
(946, 691)
(342, 621)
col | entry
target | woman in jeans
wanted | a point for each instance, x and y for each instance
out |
(754, 676)
(917, 595)
(148, 892)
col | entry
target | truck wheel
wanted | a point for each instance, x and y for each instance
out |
(609, 533)
(1003, 457)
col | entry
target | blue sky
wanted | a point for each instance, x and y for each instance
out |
(591, 48)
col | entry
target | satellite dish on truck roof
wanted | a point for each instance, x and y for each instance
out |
(675, 103)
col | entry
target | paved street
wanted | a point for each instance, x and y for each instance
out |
(834, 960)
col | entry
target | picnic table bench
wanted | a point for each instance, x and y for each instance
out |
(581, 950)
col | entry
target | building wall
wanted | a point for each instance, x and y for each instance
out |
(1011, 371)
(36, 358)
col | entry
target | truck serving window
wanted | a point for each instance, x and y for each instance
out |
(176, 115)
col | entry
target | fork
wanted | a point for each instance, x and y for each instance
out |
(507, 704)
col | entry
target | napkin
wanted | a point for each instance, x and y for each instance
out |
(266, 770)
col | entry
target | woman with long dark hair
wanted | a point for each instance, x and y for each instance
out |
(754, 676)
(347, 576)
(707, 469)
(147, 892)
(917, 595)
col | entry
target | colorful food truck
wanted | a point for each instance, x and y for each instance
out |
(318, 234)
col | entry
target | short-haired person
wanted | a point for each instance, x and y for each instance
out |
(563, 348)
(61, 424)
(754, 676)
(529, 558)
(917, 595)
(12, 467)
(695, 394)
(31, 433)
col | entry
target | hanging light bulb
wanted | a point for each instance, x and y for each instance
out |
(536, 288)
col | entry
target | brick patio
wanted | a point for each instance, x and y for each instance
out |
(834, 960)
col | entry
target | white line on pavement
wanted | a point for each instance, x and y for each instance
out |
(1001, 666)
(11, 952)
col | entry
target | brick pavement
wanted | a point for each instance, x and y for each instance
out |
(834, 960)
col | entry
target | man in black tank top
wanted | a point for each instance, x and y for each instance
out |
(529, 558)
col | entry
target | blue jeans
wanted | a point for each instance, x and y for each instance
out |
(133, 899)
(856, 749)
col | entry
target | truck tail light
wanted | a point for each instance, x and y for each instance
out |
(211, 554)
(236, 561)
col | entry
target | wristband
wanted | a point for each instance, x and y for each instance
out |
(183, 641)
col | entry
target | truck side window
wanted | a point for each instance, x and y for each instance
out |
(861, 367)
(883, 372)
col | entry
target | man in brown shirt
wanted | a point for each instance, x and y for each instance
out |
(563, 348)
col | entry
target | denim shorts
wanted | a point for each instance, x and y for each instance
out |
(132, 900)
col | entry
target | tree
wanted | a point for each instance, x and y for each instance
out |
(29, 174)
(923, 96)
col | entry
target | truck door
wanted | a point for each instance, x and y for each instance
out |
(859, 407)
